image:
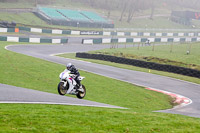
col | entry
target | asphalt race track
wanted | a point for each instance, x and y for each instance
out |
(12, 94)
(47, 52)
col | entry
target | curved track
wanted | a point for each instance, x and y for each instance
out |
(12, 94)
(187, 89)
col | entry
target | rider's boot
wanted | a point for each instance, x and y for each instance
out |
(77, 86)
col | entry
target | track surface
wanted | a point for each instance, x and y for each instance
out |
(12, 94)
(187, 89)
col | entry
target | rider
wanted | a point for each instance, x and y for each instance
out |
(74, 71)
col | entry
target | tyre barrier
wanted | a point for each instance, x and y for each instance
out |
(144, 64)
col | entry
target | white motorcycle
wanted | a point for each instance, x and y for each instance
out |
(67, 85)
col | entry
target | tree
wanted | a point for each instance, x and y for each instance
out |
(152, 5)
(125, 5)
(134, 6)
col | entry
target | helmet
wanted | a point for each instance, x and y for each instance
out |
(68, 66)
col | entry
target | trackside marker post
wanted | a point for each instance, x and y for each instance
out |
(16, 30)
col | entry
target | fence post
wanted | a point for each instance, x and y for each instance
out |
(153, 47)
(138, 46)
(171, 47)
(189, 49)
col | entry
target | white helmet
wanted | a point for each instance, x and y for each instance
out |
(68, 66)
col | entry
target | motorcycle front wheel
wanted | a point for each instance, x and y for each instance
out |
(61, 89)
(80, 94)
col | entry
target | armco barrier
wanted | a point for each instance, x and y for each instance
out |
(107, 33)
(32, 40)
(144, 64)
(103, 33)
(138, 40)
(7, 30)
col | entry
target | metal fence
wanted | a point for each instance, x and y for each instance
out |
(150, 30)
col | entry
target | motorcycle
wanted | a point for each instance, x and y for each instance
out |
(67, 85)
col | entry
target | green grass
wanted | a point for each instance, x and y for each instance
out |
(23, 18)
(23, 70)
(156, 23)
(18, 4)
(178, 54)
(41, 75)
(31, 4)
(58, 118)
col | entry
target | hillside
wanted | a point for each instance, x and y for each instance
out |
(140, 18)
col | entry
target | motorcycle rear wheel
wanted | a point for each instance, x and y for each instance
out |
(80, 94)
(62, 90)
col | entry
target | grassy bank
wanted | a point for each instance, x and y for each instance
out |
(173, 54)
(41, 75)
(161, 54)
(31, 20)
(140, 19)
(23, 18)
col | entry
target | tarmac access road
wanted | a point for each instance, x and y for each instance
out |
(187, 89)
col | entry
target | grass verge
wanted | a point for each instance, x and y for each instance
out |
(58, 118)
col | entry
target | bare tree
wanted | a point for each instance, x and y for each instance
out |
(152, 5)
(134, 6)
(125, 5)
